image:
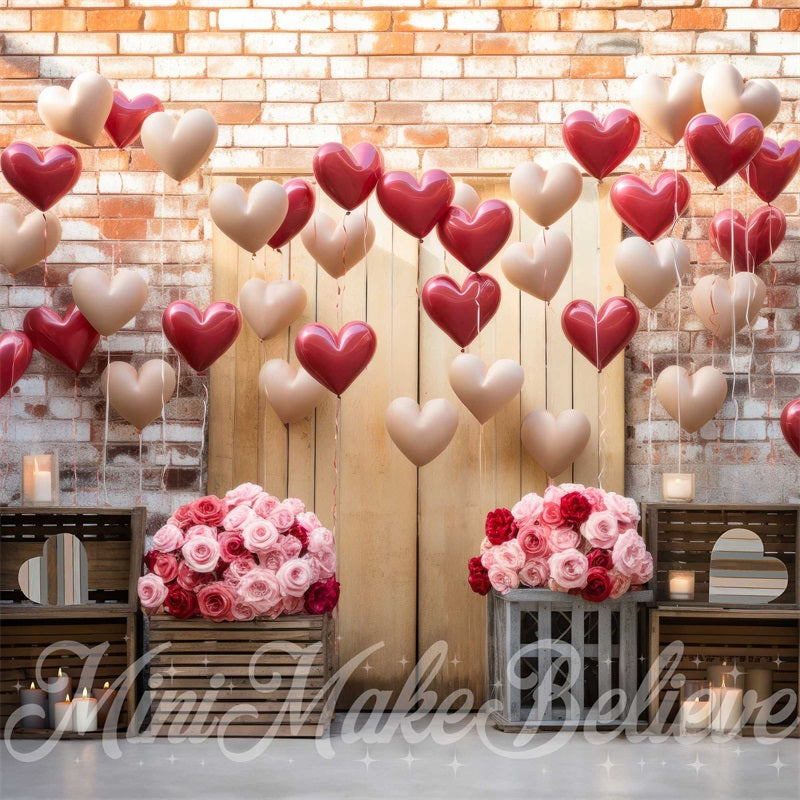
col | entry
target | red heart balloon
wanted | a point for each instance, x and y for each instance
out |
(335, 360)
(16, 351)
(201, 337)
(69, 341)
(126, 116)
(650, 213)
(772, 168)
(416, 207)
(301, 207)
(461, 312)
(475, 240)
(41, 178)
(348, 178)
(722, 150)
(600, 337)
(752, 240)
(790, 424)
(600, 146)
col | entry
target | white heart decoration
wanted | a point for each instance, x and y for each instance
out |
(555, 442)
(539, 268)
(725, 94)
(108, 303)
(26, 239)
(290, 390)
(138, 396)
(485, 391)
(338, 245)
(270, 308)
(546, 195)
(179, 146)
(691, 400)
(421, 434)
(651, 271)
(80, 112)
(726, 306)
(665, 110)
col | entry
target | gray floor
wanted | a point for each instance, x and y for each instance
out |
(742, 769)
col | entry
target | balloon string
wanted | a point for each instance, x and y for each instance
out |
(263, 418)
(139, 497)
(105, 431)
(204, 379)
(650, 314)
(285, 256)
(597, 350)
(6, 418)
(337, 453)
(44, 256)
(480, 459)
(678, 342)
(391, 294)
(601, 438)
(733, 328)
(75, 439)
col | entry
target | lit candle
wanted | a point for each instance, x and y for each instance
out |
(84, 713)
(42, 484)
(105, 699)
(57, 689)
(62, 716)
(34, 698)
(678, 486)
(695, 715)
(681, 585)
(728, 707)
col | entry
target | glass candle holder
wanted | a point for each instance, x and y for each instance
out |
(681, 584)
(677, 487)
(40, 480)
(696, 707)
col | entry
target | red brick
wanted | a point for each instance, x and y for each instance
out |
(530, 20)
(114, 20)
(597, 67)
(790, 20)
(52, 20)
(167, 20)
(385, 44)
(585, 20)
(698, 19)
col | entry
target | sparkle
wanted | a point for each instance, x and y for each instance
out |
(202, 763)
(172, 758)
(607, 764)
(125, 638)
(172, 672)
(735, 673)
(455, 661)
(17, 685)
(455, 764)
(778, 661)
(778, 764)
(367, 667)
(738, 751)
(141, 763)
(291, 760)
(696, 765)
(78, 761)
(642, 659)
(231, 686)
(367, 760)
(410, 758)
(642, 764)
(608, 662)
(206, 662)
(403, 661)
(697, 661)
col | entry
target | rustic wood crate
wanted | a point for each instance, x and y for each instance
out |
(604, 656)
(682, 537)
(205, 671)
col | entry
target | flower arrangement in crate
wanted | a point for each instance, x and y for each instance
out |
(575, 539)
(244, 556)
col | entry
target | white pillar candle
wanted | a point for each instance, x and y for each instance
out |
(84, 713)
(62, 715)
(678, 486)
(57, 690)
(34, 697)
(681, 585)
(695, 715)
(728, 707)
(105, 699)
(42, 486)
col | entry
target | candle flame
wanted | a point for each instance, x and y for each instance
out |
(32, 685)
(723, 681)
(105, 685)
(67, 700)
(60, 674)
(85, 692)
(35, 465)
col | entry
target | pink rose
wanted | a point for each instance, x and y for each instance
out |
(527, 510)
(272, 557)
(208, 510)
(619, 584)
(568, 568)
(601, 529)
(563, 537)
(259, 534)
(238, 568)
(181, 517)
(290, 545)
(533, 540)
(293, 605)
(281, 517)
(152, 591)
(554, 586)
(238, 517)
(644, 572)
(241, 611)
(264, 503)
(215, 601)
(623, 508)
(308, 521)
(260, 589)
(509, 554)
(551, 514)
(324, 562)
(231, 546)
(596, 498)
(200, 530)
(201, 553)
(295, 576)
(189, 579)
(294, 505)
(165, 565)
(487, 557)
(319, 539)
(503, 579)
(534, 572)
(486, 545)
(630, 554)
(243, 495)
(554, 493)
(168, 538)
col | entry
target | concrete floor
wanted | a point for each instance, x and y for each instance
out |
(742, 769)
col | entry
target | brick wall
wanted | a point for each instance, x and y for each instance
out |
(447, 83)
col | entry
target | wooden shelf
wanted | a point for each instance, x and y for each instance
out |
(18, 611)
(744, 612)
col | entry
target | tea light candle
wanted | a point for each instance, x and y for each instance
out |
(727, 708)
(681, 584)
(84, 713)
(62, 715)
(678, 487)
(57, 690)
(105, 699)
(34, 697)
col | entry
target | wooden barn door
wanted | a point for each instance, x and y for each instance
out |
(404, 536)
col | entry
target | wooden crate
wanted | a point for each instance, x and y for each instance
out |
(205, 672)
(603, 656)
(682, 537)
(114, 541)
(711, 634)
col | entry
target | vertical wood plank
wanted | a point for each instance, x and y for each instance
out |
(604, 653)
(627, 651)
(544, 689)
(576, 639)
(513, 642)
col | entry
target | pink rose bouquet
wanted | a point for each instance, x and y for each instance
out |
(573, 538)
(247, 555)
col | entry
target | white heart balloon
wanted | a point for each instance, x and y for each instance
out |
(546, 195)
(651, 271)
(539, 268)
(250, 220)
(726, 306)
(138, 396)
(108, 303)
(485, 391)
(80, 112)
(338, 245)
(555, 442)
(691, 400)
(421, 434)
(26, 239)
(725, 94)
(179, 146)
(290, 390)
(466, 197)
(665, 110)
(270, 308)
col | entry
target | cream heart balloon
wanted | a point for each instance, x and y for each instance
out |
(485, 391)
(108, 303)
(338, 245)
(538, 268)
(651, 271)
(250, 220)
(26, 239)
(138, 396)
(665, 110)
(290, 390)
(179, 146)
(270, 308)
(466, 197)
(80, 112)
(691, 400)
(726, 306)
(421, 434)
(546, 195)
(725, 94)
(555, 442)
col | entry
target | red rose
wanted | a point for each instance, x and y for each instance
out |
(165, 565)
(181, 603)
(231, 546)
(478, 577)
(322, 596)
(189, 579)
(301, 535)
(575, 509)
(181, 517)
(500, 526)
(208, 510)
(215, 601)
(597, 557)
(598, 585)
